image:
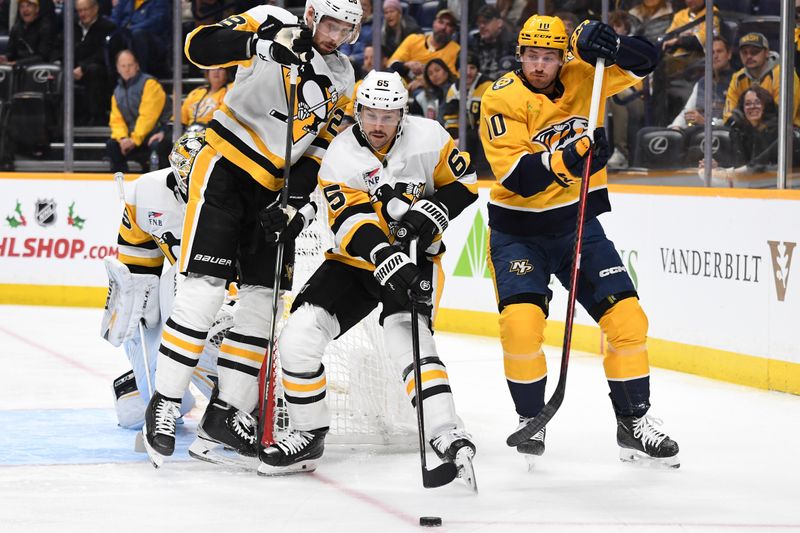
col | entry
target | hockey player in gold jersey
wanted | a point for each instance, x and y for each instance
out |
(235, 181)
(387, 179)
(532, 129)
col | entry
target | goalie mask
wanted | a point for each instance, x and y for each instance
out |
(378, 93)
(347, 11)
(182, 156)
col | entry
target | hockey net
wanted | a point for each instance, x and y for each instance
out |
(365, 394)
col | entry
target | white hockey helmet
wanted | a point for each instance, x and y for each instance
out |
(345, 10)
(382, 90)
(182, 157)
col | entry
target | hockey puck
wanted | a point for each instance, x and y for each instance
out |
(430, 521)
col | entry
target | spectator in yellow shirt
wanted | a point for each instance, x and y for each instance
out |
(762, 68)
(417, 50)
(200, 104)
(138, 110)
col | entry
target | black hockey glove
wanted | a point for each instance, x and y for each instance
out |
(282, 42)
(593, 39)
(285, 225)
(395, 271)
(567, 164)
(426, 219)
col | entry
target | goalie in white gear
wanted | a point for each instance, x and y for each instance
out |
(140, 289)
(236, 181)
(388, 179)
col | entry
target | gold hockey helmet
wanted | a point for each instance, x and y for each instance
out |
(543, 32)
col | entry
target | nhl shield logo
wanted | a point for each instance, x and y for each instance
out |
(45, 212)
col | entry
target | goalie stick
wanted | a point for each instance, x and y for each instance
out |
(540, 420)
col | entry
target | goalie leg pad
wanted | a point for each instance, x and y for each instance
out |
(626, 362)
(245, 346)
(440, 410)
(128, 402)
(185, 332)
(521, 335)
(301, 345)
(131, 298)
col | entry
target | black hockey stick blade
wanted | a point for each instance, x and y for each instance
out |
(539, 421)
(439, 476)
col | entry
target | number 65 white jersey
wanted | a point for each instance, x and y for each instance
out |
(362, 189)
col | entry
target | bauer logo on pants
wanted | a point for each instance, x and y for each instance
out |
(781, 253)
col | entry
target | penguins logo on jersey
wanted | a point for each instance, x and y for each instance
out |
(393, 202)
(315, 99)
(170, 244)
(559, 135)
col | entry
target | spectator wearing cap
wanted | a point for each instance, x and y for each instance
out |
(495, 45)
(762, 68)
(396, 26)
(417, 50)
(454, 6)
(90, 72)
(31, 39)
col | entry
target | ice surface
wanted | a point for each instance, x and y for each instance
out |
(65, 466)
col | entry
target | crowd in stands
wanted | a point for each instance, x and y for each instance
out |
(122, 48)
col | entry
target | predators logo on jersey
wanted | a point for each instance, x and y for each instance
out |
(560, 134)
(316, 98)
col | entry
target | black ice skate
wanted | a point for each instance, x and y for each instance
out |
(533, 447)
(455, 446)
(223, 430)
(641, 441)
(160, 418)
(295, 451)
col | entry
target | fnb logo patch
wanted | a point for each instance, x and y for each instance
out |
(520, 267)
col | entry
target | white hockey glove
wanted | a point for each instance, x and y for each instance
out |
(284, 225)
(426, 219)
(131, 298)
(287, 44)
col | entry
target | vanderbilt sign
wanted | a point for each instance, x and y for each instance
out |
(781, 253)
(711, 264)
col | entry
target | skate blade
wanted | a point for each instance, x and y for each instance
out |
(213, 452)
(465, 469)
(302, 467)
(156, 458)
(627, 455)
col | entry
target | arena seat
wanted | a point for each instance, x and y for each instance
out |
(721, 147)
(659, 148)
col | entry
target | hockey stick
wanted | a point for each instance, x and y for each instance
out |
(268, 397)
(138, 443)
(445, 472)
(540, 420)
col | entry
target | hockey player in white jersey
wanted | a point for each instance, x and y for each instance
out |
(238, 175)
(388, 179)
(140, 289)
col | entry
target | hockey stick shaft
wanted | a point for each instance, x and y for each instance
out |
(445, 472)
(267, 399)
(546, 414)
(146, 359)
